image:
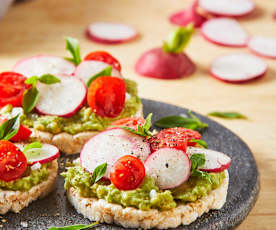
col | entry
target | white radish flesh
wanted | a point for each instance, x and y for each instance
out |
(238, 68)
(61, 99)
(105, 32)
(234, 8)
(214, 161)
(40, 155)
(225, 32)
(43, 64)
(169, 167)
(87, 69)
(263, 46)
(108, 146)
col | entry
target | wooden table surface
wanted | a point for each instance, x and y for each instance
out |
(39, 27)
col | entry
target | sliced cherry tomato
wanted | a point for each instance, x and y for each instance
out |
(106, 96)
(174, 138)
(131, 122)
(12, 88)
(13, 162)
(104, 57)
(127, 173)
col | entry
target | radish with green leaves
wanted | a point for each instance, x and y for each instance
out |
(168, 62)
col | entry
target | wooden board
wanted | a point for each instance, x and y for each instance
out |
(37, 26)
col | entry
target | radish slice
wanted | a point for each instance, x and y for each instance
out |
(110, 33)
(264, 46)
(230, 8)
(40, 155)
(225, 32)
(61, 99)
(238, 67)
(214, 161)
(87, 69)
(169, 167)
(110, 145)
(43, 64)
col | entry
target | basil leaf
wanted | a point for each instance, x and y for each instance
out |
(227, 115)
(9, 128)
(30, 99)
(200, 142)
(133, 130)
(32, 145)
(106, 72)
(32, 81)
(48, 79)
(203, 175)
(72, 45)
(147, 124)
(98, 172)
(197, 160)
(75, 227)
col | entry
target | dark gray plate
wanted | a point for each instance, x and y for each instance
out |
(54, 210)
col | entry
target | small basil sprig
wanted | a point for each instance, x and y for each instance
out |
(106, 72)
(200, 142)
(31, 95)
(9, 128)
(227, 115)
(98, 173)
(198, 160)
(75, 227)
(73, 46)
(142, 130)
(189, 122)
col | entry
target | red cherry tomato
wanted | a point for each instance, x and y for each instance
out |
(13, 162)
(127, 173)
(104, 57)
(131, 122)
(106, 96)
(174, 138)
(12, 88)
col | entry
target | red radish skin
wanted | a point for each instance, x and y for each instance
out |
(221, 69)
(169, 167)
(43, 64)
(156, 63)
(214, 31)
(274, 15)
(263, 46)
(214, 161)
(61, 99)
(108, 146)
(227, 8)
(111, 33)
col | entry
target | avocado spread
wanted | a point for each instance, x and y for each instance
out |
(84, 120)
(147, 196)
(29, 179)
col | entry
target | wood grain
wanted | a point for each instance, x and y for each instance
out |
(37, 26)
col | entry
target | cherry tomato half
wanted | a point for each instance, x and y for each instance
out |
(131, 122)
(127, 173)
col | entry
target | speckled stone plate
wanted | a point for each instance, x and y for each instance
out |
(54, 210)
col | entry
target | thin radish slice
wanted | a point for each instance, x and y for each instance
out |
(86, 69)
(225, 32)
(40, 155)
(61, 99)
(108, 146)
(263, 46)
(229, 8)
(214, 161)
(43, 64)
(238, 68)
(169, 167)
(110, 33)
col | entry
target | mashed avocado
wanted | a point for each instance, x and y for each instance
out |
(147, 196)
(30, 179)
(83, 120)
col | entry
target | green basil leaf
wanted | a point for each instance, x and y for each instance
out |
(98, 172)
(32, 81)
(30, 99)
(33, 145)
(9, 128)
(147, 124)
(203, 175)
(72, 45)
(106, 72)
(200, 142)
(48, 79)
(197, 160)
(133, 130)
(227, 115)
(75, 227)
